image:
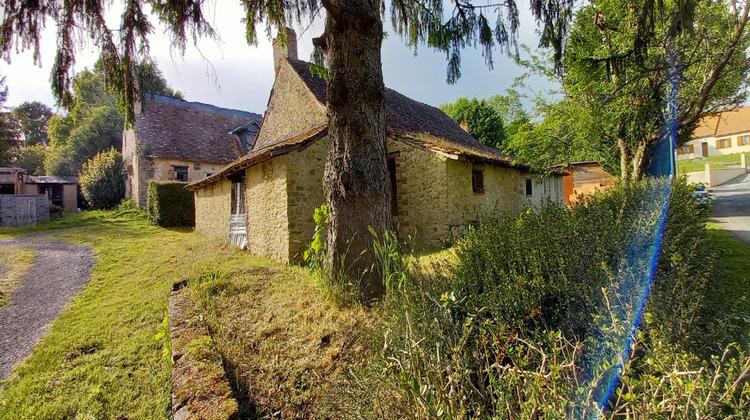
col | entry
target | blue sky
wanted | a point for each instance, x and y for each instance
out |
(235, 75)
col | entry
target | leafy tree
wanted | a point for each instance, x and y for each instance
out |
(31, 158)
(356, 179)
(10, 135)
(101, 179)
(92, 125)
(636, 93)
(485, 123)
(95, 122)
(33, 117)
(512, 112)
(151, 80)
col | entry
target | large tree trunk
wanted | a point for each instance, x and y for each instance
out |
(356, 173)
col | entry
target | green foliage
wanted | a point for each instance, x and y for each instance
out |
(31, 158)
(151, 80)
(101, 179)
(485, 123)
(170, 204)
(627, 90)
(92, 125)
(315, 254)
(532, 317)
(10, 134)
(389, 260)
(33, 117)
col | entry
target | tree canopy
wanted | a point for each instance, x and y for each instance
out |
(485, 123)
(33, 118)
(10, 134)
(94, 122)
(633, 93)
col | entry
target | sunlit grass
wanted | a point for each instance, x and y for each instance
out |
(717, 162)
(14, 263)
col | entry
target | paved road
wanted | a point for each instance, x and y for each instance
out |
(731, 208)
(58, 271)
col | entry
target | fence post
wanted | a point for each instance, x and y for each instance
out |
(708, 174)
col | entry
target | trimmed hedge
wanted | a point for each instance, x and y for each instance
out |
(170, 204)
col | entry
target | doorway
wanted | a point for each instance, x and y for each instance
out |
(704, 148)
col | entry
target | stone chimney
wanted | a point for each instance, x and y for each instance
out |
(289, 50)
(465, 126)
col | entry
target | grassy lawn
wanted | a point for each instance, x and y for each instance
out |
(732, 293)
(14, 263)
(106, 356)
(717, 162)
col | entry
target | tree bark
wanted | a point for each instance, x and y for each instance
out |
(356, 175)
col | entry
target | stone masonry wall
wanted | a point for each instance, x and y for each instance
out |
(213, 208)
(305, 186)
(504, 192)
(292, 109)
(266, 201)
(422, 192)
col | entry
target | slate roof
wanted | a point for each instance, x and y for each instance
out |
(724, 123)
(405, 117)
(191, 131)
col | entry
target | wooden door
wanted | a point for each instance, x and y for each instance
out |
(704, 148)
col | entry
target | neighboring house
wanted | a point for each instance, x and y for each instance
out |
(26, 199)
(719, 134)
(442, 178)
(584, 178)
(182, 141)
(62, 191)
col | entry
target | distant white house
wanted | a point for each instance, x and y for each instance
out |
(719, 134)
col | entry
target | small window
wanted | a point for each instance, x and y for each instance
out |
(180, 173)
(686, 149)
(743, 140)
(723, 143)
(477, 181)
(529, 188)
(197, 166)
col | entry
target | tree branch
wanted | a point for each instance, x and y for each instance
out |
(695, 111)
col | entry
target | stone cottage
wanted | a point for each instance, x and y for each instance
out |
(182, 141)
(442, 178)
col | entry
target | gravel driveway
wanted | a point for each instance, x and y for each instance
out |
(58, 271)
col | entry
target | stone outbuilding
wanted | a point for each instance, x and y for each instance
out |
(442, 178)
(177, 140)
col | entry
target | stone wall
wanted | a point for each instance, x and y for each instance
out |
(213, 208)
(292, 109)
(23, 210)
(266, 204)
(504, 192)
(305, 186)
(421, 196)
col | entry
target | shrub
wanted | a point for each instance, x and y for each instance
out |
(170, 204)
(101, 179)
(539, 318)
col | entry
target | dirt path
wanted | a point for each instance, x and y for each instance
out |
(58, 271)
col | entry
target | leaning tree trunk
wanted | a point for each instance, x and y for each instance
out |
(356, 173)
